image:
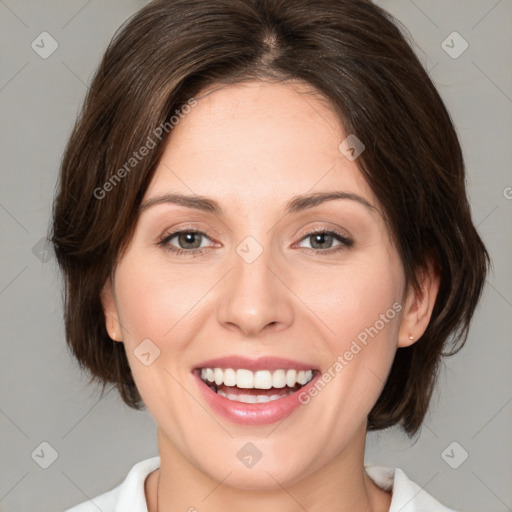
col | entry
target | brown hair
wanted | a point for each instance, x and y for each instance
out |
(350, 51)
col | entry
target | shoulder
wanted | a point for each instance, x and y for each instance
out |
(129, 495)
(407, 496)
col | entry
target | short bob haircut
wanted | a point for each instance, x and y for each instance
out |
(351, 52)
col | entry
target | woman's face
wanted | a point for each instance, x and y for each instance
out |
(258, 283)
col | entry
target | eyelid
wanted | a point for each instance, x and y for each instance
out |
(169, 234)
(323, 227)
(345, 239)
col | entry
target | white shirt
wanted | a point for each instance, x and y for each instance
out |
(130, 496)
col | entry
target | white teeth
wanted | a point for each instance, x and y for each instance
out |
(249, 399)
(244, 379)
(279, 379)
(303, 377)
(291, 377)
(219, 376)
(230, 377)
(261, 379)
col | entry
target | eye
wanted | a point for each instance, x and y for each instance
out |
(192, 242)
(189, 242)
(325, 241)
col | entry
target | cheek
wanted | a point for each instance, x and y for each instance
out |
(156, 303)
(158, 310)
(351, 299)
(359, 309)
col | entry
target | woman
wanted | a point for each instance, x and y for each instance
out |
(265, 236)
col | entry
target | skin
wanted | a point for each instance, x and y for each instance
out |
(252, 147)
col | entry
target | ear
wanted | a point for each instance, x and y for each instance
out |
(418, 306)
(108, 302)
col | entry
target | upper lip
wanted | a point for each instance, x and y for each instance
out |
(254, 364)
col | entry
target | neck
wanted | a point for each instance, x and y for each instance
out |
(341, 485)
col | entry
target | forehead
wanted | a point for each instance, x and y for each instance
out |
(257, 140)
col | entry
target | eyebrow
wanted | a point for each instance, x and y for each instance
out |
(296, 204)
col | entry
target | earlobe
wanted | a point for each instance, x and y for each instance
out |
(419, 305)
(112, 323)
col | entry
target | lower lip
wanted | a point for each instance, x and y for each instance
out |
(254, 414)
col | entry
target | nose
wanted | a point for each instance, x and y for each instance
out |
(255, 297)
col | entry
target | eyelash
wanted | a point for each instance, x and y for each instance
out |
(164, 242)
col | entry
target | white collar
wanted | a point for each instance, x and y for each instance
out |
(407, 496)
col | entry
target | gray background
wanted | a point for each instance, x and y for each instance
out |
(44, 397)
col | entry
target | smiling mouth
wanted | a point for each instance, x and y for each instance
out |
(251, 387)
